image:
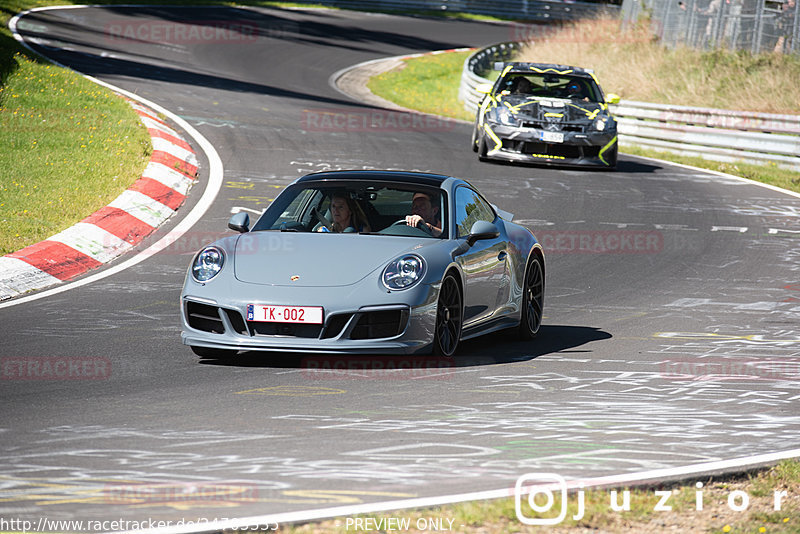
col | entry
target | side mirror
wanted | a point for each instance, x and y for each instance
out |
(612, 98)
(239, 222)
(484, 88)
(482, 230)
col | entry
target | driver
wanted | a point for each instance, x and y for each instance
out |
(425, 212)
(575, 90)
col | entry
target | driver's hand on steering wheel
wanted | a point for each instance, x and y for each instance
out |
(415, 220)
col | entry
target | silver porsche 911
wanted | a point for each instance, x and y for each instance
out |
(365, 262)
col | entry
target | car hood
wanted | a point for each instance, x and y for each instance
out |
(548, 110)
(315, 259)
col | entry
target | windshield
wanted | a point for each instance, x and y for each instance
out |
(357, 207)
(550, 86)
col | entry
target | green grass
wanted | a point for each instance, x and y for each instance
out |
(69, 148)
(428, 83)
(768, 174)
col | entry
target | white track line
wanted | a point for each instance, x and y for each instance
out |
(215, 182)
(639, 478)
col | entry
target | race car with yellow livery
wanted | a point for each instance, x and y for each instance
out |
(547, 114)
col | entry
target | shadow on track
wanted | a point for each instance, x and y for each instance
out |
(487, 350)
(624, 166)
(79, 45)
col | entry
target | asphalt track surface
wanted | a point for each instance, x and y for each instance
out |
(683, 348)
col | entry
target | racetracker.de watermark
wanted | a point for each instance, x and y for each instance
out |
(191, 243)
(181, 494)
(196, 32)
(348, 120)
(45, 524)
(601, 241)
(377, 368)
(730, 369)
(55, 368)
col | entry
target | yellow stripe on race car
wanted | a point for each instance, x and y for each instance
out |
(498, 143)
(505, 70)
(513, 109)
(545, 156)
(605, 149)
(589, 114)
(554, 115)
(542, 71)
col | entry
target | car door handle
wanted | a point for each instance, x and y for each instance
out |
(502, 256)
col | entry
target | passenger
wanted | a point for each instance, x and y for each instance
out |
(425, 212)
(347, 215)
(522, 86)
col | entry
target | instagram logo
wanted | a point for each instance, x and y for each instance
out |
(534, 485)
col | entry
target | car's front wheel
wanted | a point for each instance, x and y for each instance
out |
(449, 311)
(474, 139)
(482, 148)
(213, 354)
(532, 299)
(611, 158)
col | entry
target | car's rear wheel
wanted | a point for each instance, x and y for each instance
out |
(449, 311)
(532, 299)
(215, 354)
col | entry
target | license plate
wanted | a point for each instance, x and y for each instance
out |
(553, 137)
(284, 314)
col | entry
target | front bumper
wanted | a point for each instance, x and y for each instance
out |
(520, 144)
(399, 322)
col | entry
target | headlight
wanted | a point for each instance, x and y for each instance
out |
(207, 264)
(601, 123)
(504, 115)
(404, 272)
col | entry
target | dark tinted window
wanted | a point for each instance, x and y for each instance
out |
(306, 207)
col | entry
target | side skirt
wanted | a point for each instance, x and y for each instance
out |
(491, 325)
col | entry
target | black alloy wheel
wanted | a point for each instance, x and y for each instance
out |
(532, 299)
(448, 318)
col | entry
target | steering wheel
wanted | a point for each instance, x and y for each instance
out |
(424, 227)
(321, 218)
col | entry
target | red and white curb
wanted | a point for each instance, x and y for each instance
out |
(113, 229)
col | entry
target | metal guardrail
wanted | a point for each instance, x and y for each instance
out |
(478, 63)
(533, 10)
(714, 134)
